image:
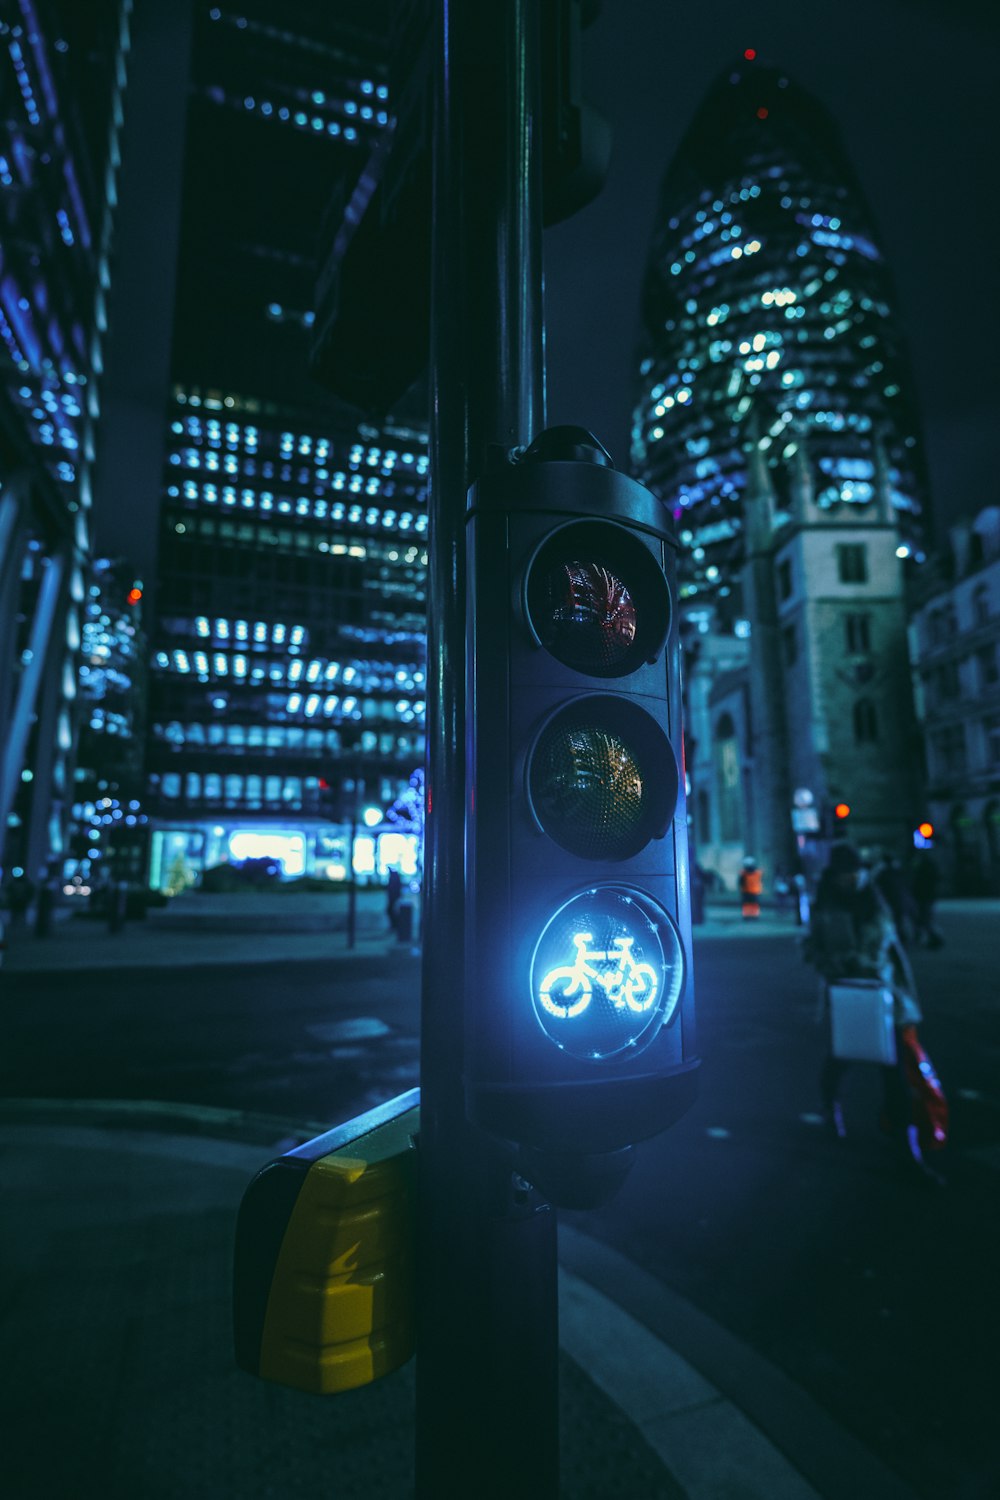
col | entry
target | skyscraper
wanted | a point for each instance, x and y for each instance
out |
(777, 422)
(63, 71)
(108, 836)
(287, 669)
(767, 302)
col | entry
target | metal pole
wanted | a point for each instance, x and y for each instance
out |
(352, 879)
(487, 1420)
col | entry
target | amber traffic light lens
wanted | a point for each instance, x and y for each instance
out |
(588, 791)
(603, 779)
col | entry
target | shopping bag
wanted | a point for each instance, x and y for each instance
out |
(861, 1021)
(928, 1104)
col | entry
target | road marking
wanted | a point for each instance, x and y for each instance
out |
(359, 1028)
(705, 1442)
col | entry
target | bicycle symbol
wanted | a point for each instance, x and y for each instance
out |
(628, 984)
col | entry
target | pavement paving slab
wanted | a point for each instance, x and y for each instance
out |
(119, 1378)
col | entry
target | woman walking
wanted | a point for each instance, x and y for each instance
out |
(852, 937)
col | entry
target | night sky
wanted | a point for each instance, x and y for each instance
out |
(913, 88)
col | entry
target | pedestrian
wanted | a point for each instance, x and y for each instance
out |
(924, 885)
(45, 904)
(20, 894)
(117, 904)
(891, 884)
(852, 937)
(782, 891)
(801, 899)
(394, 891)
(751, 886)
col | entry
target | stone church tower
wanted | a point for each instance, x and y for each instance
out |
(838, 641)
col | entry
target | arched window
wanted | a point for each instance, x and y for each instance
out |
(727, 776)
(980, 604)
(865, 722)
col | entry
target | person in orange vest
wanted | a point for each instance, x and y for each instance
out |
(751, 885)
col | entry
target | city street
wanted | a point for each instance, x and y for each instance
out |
(872, 1292)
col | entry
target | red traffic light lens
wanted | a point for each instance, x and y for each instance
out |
(590, 622)
(602, 779)
(842, 811)
(597, 599)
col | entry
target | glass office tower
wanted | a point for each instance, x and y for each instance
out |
(108, 839)
(768, 315)
(62, 81)
(287, 686)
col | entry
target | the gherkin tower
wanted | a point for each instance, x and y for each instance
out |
(768, 311)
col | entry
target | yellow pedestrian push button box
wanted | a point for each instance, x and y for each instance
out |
(323, 1271)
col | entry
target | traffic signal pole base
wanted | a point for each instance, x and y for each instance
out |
(487, 1338)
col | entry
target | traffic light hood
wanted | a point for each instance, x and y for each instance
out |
(567, 445)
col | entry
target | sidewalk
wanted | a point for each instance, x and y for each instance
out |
(158, 942)
(120, 1377)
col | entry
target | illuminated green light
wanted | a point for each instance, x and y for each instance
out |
(607, 973)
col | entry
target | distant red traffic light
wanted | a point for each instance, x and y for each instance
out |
(925, 830)
(133, 596)
(841, 811)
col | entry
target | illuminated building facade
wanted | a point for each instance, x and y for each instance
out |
(777, 422)
(109, 825)
(955, 649)
(63, 68)
(287, 666)
(767, 304)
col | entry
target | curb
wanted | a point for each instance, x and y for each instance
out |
(800, 1441)
(158, 1116)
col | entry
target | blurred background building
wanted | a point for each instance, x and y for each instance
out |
(777, 421)
(286, 696)
(283, 604)
(955, 650)
(63, 69)
(109, 827)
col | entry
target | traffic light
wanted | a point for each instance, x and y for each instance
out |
(580, 1000)
(841, 813)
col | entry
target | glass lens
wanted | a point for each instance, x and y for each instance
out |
(607, 972)
(589, 791)
(588, 619)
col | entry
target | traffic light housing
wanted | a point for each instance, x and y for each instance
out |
(580, 997)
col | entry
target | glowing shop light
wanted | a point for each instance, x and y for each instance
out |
(289, 849)
(607, 973)
(364, 855)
